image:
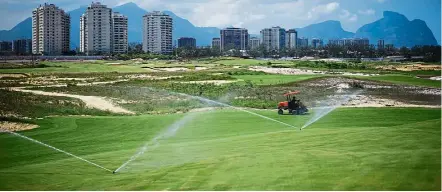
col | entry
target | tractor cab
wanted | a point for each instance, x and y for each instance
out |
(293, 105)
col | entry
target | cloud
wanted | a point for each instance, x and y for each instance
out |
(322, 9)
(380, 1)
(367, 12)
(346, 15)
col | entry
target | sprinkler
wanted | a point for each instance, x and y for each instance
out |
(113, 172)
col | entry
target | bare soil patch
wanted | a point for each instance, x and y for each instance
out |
(15, 126)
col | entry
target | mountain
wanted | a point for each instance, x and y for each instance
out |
(395, 28)
(75, 26)
(182, 27)
(325, 30)
(21, 30)
(135, 20)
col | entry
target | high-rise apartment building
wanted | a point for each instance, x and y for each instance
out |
(317, 43)
(273, 38)
(381, 44)
(5, 46)
(254, 43)
(22, 46)
(50, 30)
(157, 32)
(120, 36)
(216, 43)
(291, 37)
(96, 28)
(302, 42)
(234, 38)
(187, 42)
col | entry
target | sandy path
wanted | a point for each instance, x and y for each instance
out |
(91, 101)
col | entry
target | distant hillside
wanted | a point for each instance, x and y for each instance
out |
(325, 30)
(395, 28)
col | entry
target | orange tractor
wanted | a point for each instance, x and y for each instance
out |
(294, 106)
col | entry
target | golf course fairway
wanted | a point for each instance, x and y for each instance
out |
(349, 149)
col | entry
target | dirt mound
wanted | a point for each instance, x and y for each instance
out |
(14, 126)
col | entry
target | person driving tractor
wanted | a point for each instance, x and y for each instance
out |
(293, 105)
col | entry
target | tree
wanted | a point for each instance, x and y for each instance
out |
(135, 48)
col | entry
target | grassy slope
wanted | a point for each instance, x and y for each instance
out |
(274, 79)
(350, 149)
(74, 67)
(404, 79)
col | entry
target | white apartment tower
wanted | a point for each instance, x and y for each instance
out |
(291, 36)
(50, 30)
(120, 44)
(157, 33)
(273, 38)
(96, 30)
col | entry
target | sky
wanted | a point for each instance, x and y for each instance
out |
(255, 14)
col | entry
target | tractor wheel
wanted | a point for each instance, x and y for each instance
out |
(280, 112)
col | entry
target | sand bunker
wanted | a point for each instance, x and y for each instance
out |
(293, 71)
(285, 71)
(90, 101)
(372, 101)
(173, 69)
(12, 75)
(15, 126)
(414, 67)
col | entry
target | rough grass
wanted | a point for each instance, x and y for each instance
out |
(350, 149)
(274, 79)
(404, 80)
(77, 67)
(17, 104)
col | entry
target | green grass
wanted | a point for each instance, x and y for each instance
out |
(350, 149)
(274, 79)
(77, 67)
(404, 79)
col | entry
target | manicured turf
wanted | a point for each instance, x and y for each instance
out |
(274, 79)
(405, 79)
(77, 67)
(350, 149)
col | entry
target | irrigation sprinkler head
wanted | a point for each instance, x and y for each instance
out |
(113, 172)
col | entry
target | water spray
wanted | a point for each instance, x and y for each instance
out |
(237, 108)
(54, 148)
(220, 103)
(325, 109)
(169, 132)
